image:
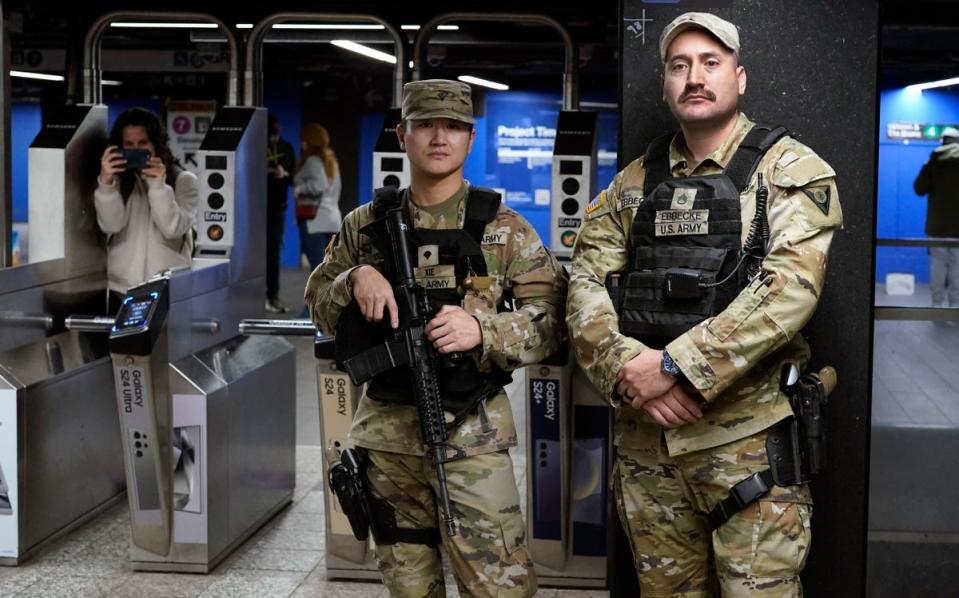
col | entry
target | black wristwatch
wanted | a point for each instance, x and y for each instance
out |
(669, 366)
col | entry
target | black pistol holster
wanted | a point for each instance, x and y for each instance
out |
(794, 446)
(367, 512)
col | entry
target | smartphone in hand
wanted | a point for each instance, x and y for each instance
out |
(137, 159)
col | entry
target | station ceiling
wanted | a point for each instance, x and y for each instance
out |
(519, 55)
(919, 42)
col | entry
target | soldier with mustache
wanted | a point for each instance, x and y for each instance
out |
(692, 276)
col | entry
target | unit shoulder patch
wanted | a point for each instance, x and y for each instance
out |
(820, 197)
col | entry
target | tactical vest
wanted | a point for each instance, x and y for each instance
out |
(685, 244)
(462, 384)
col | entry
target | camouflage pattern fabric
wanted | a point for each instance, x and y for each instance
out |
(734, 358)
(488, 555)
(517, 263)
(663, 500)
(438, 98)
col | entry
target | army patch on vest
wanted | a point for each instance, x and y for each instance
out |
(437, 277)
(428, 255)
(670, 223)
(596, 203)
(683, 198)
(819, 196)
(494, 239)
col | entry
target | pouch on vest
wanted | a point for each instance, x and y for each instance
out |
(685, 244)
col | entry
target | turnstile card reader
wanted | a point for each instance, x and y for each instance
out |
(391, 167)
(573, 178)
(137, 348)
(346, 557)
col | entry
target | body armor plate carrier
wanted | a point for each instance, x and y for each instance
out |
(462, 384)
(685, 249)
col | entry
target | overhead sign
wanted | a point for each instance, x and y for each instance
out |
(916, 131)
(187, 122)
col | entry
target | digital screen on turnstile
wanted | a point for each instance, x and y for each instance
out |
(570, 167)
(216, 162)
(135, 312)
(391, 164)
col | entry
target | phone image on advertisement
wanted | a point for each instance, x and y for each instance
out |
(136, 158)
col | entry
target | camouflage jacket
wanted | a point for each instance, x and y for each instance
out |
(733, 359)
(518, 263)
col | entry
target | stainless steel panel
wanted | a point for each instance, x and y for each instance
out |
(146, 412)
(54, 299)
(69, 464)
(248, 257)
(261, 372)
(62, 217)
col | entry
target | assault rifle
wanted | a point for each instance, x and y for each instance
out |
(409, 346)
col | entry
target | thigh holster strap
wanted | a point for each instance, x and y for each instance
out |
(741, 496)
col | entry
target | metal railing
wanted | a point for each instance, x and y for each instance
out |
(917, 314)
(93, 45)
(570, 75)
(253, 69)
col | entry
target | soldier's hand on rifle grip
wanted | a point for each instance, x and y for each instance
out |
(454, 330)
(373, 294)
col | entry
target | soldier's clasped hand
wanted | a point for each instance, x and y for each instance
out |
(673, 409)
(454, 330)
(642, 378)
(373, 293)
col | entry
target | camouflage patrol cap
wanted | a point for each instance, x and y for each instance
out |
(723, 30)
(438, 98)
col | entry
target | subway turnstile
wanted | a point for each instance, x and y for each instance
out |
(391, 167)
(346, 557)
(208, 439)
(573, 178)
(568, 461)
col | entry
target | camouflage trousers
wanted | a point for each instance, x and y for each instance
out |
(663, 502)
(488, 555)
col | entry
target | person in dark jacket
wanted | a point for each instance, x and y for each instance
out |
(279, 173)
(939, 179)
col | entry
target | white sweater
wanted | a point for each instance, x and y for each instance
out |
(313, 185)
(151, 232)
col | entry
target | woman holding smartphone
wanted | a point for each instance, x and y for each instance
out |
(145, 202)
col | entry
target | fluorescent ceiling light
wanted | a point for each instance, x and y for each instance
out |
(344, 26)
(41, 76)
(483, 82)
(440, 28)
(364, 50)
(934, 84)
(110, 82)
(160, 25)
(244, 25)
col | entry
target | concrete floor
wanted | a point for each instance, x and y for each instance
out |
(284, 558)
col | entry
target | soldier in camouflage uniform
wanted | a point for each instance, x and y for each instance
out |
(693, 418)
(488, 554)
